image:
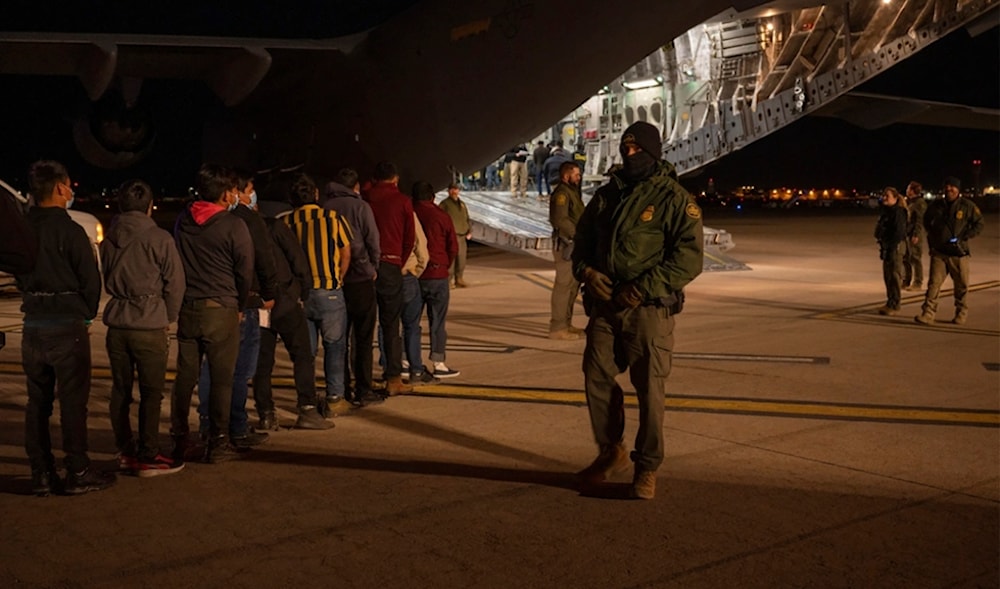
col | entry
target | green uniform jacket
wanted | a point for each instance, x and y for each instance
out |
(946, 220)
(649, 233)
(565, 209)
(459, 214)
(915, 220)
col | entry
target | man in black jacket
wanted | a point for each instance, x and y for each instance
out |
(217, 254)
(287, 318)
(60, 298)
(263, 290)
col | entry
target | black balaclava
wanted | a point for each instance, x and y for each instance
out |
(641, 164)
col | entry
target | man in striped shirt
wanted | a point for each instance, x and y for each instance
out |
(325, 239)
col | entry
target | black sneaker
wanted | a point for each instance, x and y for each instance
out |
(45, 482)
(78, 483)
(250, 439)
(222, 450)
(423, 378)
(309, 418)
(369, 398)
(268, 421)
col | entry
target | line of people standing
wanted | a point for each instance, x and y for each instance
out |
(233, 281)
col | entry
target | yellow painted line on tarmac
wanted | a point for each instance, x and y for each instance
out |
(703, 404)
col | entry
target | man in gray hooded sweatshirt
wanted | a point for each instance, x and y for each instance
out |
(145, 278)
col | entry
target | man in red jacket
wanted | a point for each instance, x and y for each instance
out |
(442, 247)
(394, 218)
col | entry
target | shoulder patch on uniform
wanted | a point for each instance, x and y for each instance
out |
(693, 211)
(960, 214)
(560, 199)
(647, 215)
(976, 208)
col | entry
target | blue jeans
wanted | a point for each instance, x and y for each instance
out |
(540, 180)
(327, 315)
(436, 294)
(246, 366)
(413, 305)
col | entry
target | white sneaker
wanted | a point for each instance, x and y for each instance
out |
(442, 371)
(406, 365)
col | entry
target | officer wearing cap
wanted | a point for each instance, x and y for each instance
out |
(950, 222)
(638, 244)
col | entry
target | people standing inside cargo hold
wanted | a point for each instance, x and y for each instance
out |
(60, 296)
(890, 233)
(217, 252)
(950, 223)
(326, 240)
(343, 196)
(394, 217)
(638, 244)
(287, 318)
(565, 208)
(459, 213)
(519, 171)
(144, 275)
(263, 291)
(916, 237)
(539, 156)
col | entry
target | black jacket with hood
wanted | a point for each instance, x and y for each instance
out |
(217, 253)
(265, 280)
(142, 273)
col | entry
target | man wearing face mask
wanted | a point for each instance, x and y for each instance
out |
(637, 245)
(263, 289)
(59, 299)
(218, 257)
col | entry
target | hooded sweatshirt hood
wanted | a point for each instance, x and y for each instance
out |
(202, 211)
(127, 227)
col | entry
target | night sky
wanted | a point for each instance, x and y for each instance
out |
(812, 153)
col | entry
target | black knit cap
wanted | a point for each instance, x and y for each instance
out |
(645, 136)
(953, 181)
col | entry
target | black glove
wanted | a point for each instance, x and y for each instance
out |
(598, 284)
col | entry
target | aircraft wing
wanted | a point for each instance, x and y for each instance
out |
(874, 111)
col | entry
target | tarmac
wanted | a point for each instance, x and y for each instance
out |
(810, 443)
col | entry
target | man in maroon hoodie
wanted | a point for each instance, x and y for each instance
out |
(442, 247)
(218, 258)
(394, 218)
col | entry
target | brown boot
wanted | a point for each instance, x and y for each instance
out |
(644, 484)
(612, 460)
(395, 386)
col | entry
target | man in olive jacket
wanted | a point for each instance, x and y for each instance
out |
(145, 278)
(459, 213)
(950, 222)
(565, 208)
(638, 244)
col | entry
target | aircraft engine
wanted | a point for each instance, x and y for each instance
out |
(113, 134)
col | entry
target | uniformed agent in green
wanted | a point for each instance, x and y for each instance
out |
(916, 237)
(459, 213)
(638, 244)
(565, 208)
(950, 223)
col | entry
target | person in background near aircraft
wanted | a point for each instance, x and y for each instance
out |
(916, 237)
(459, 213)
(60, 296)
(288, 319)
(217, 252)
(519, 171)
(565, 208)
(950, 223)
(343, 196)
(326, 240)
(539, 156)
(553, 164)
(493, 176)
(890, 233)
(442, 247)
(638, 243)
(18, 246)
(144, 275)
(394, 217)
(263, 290)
